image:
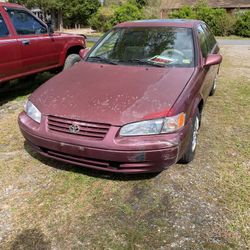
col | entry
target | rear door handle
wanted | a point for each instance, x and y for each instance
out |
(26, 42)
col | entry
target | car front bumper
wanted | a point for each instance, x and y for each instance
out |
(124, 155)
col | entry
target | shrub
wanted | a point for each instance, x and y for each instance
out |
(127, 12)
(186, 12)
(218, 20)
(102, 20)
(106, 17)
(242, 25)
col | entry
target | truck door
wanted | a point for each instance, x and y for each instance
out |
(10, 63)
(39, 50)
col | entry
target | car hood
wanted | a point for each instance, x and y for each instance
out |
(113, 94)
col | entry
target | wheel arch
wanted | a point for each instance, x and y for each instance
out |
(201, 105)
(73, 50)
(197, 104)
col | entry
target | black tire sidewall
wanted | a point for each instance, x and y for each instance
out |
(71, 60)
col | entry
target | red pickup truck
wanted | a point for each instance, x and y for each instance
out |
(28, 45)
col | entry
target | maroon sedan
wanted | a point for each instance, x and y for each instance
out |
(133, 104)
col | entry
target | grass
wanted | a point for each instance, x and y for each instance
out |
(232, 37)
(90, 44)
(46, 204)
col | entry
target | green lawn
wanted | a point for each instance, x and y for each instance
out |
(90, 44)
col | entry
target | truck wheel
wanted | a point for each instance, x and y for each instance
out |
(71, 60)
(190, 151)
(214, 87)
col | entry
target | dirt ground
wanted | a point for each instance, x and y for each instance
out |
(45, 204)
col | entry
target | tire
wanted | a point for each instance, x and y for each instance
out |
(71, 60)
(188, 156)
(214, 87)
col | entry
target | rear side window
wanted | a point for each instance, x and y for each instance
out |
(25, 23)
(203, 42)
(3, 28)
(209, 37)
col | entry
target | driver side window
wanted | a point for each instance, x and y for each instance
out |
(25, 23)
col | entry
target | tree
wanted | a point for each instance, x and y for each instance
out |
(79, 11)
(72, 12)
(102, 20)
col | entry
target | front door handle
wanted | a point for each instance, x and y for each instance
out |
(26, 42)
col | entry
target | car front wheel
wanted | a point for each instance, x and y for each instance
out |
(190, 151)
(71, 60)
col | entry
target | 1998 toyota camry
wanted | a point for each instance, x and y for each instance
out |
(134, 102)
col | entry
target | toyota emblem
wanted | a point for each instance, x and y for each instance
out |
(74, 128)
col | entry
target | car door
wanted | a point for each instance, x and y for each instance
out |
(10, 52)
(207, 71)
(213, 48)
(39, 50)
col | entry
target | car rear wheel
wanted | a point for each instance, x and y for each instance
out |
(190, 151)
(71, 60)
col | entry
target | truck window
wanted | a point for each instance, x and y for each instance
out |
(25, 23)
(3, 28)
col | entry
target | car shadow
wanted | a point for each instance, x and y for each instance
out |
(21, 87)
(87, 171)
(31, 239)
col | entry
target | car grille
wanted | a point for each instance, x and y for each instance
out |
(77, 159)
(95, 131)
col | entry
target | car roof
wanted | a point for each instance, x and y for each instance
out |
(185, 23)
(5, 4)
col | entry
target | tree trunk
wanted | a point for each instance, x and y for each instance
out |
(60, 20)
(54, 19)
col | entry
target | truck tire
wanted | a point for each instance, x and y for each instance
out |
(190, 151)
(71, 60)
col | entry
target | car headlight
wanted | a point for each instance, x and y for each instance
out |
(154, 127)
(32, 111)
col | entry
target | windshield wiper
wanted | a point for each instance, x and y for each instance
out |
(102, 59)
(142, 61)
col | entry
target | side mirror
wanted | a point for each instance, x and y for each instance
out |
(213, 59)
(83, 53)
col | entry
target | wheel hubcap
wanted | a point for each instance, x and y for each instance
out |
(195, 133)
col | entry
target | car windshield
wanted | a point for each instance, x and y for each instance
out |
(153, 46)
